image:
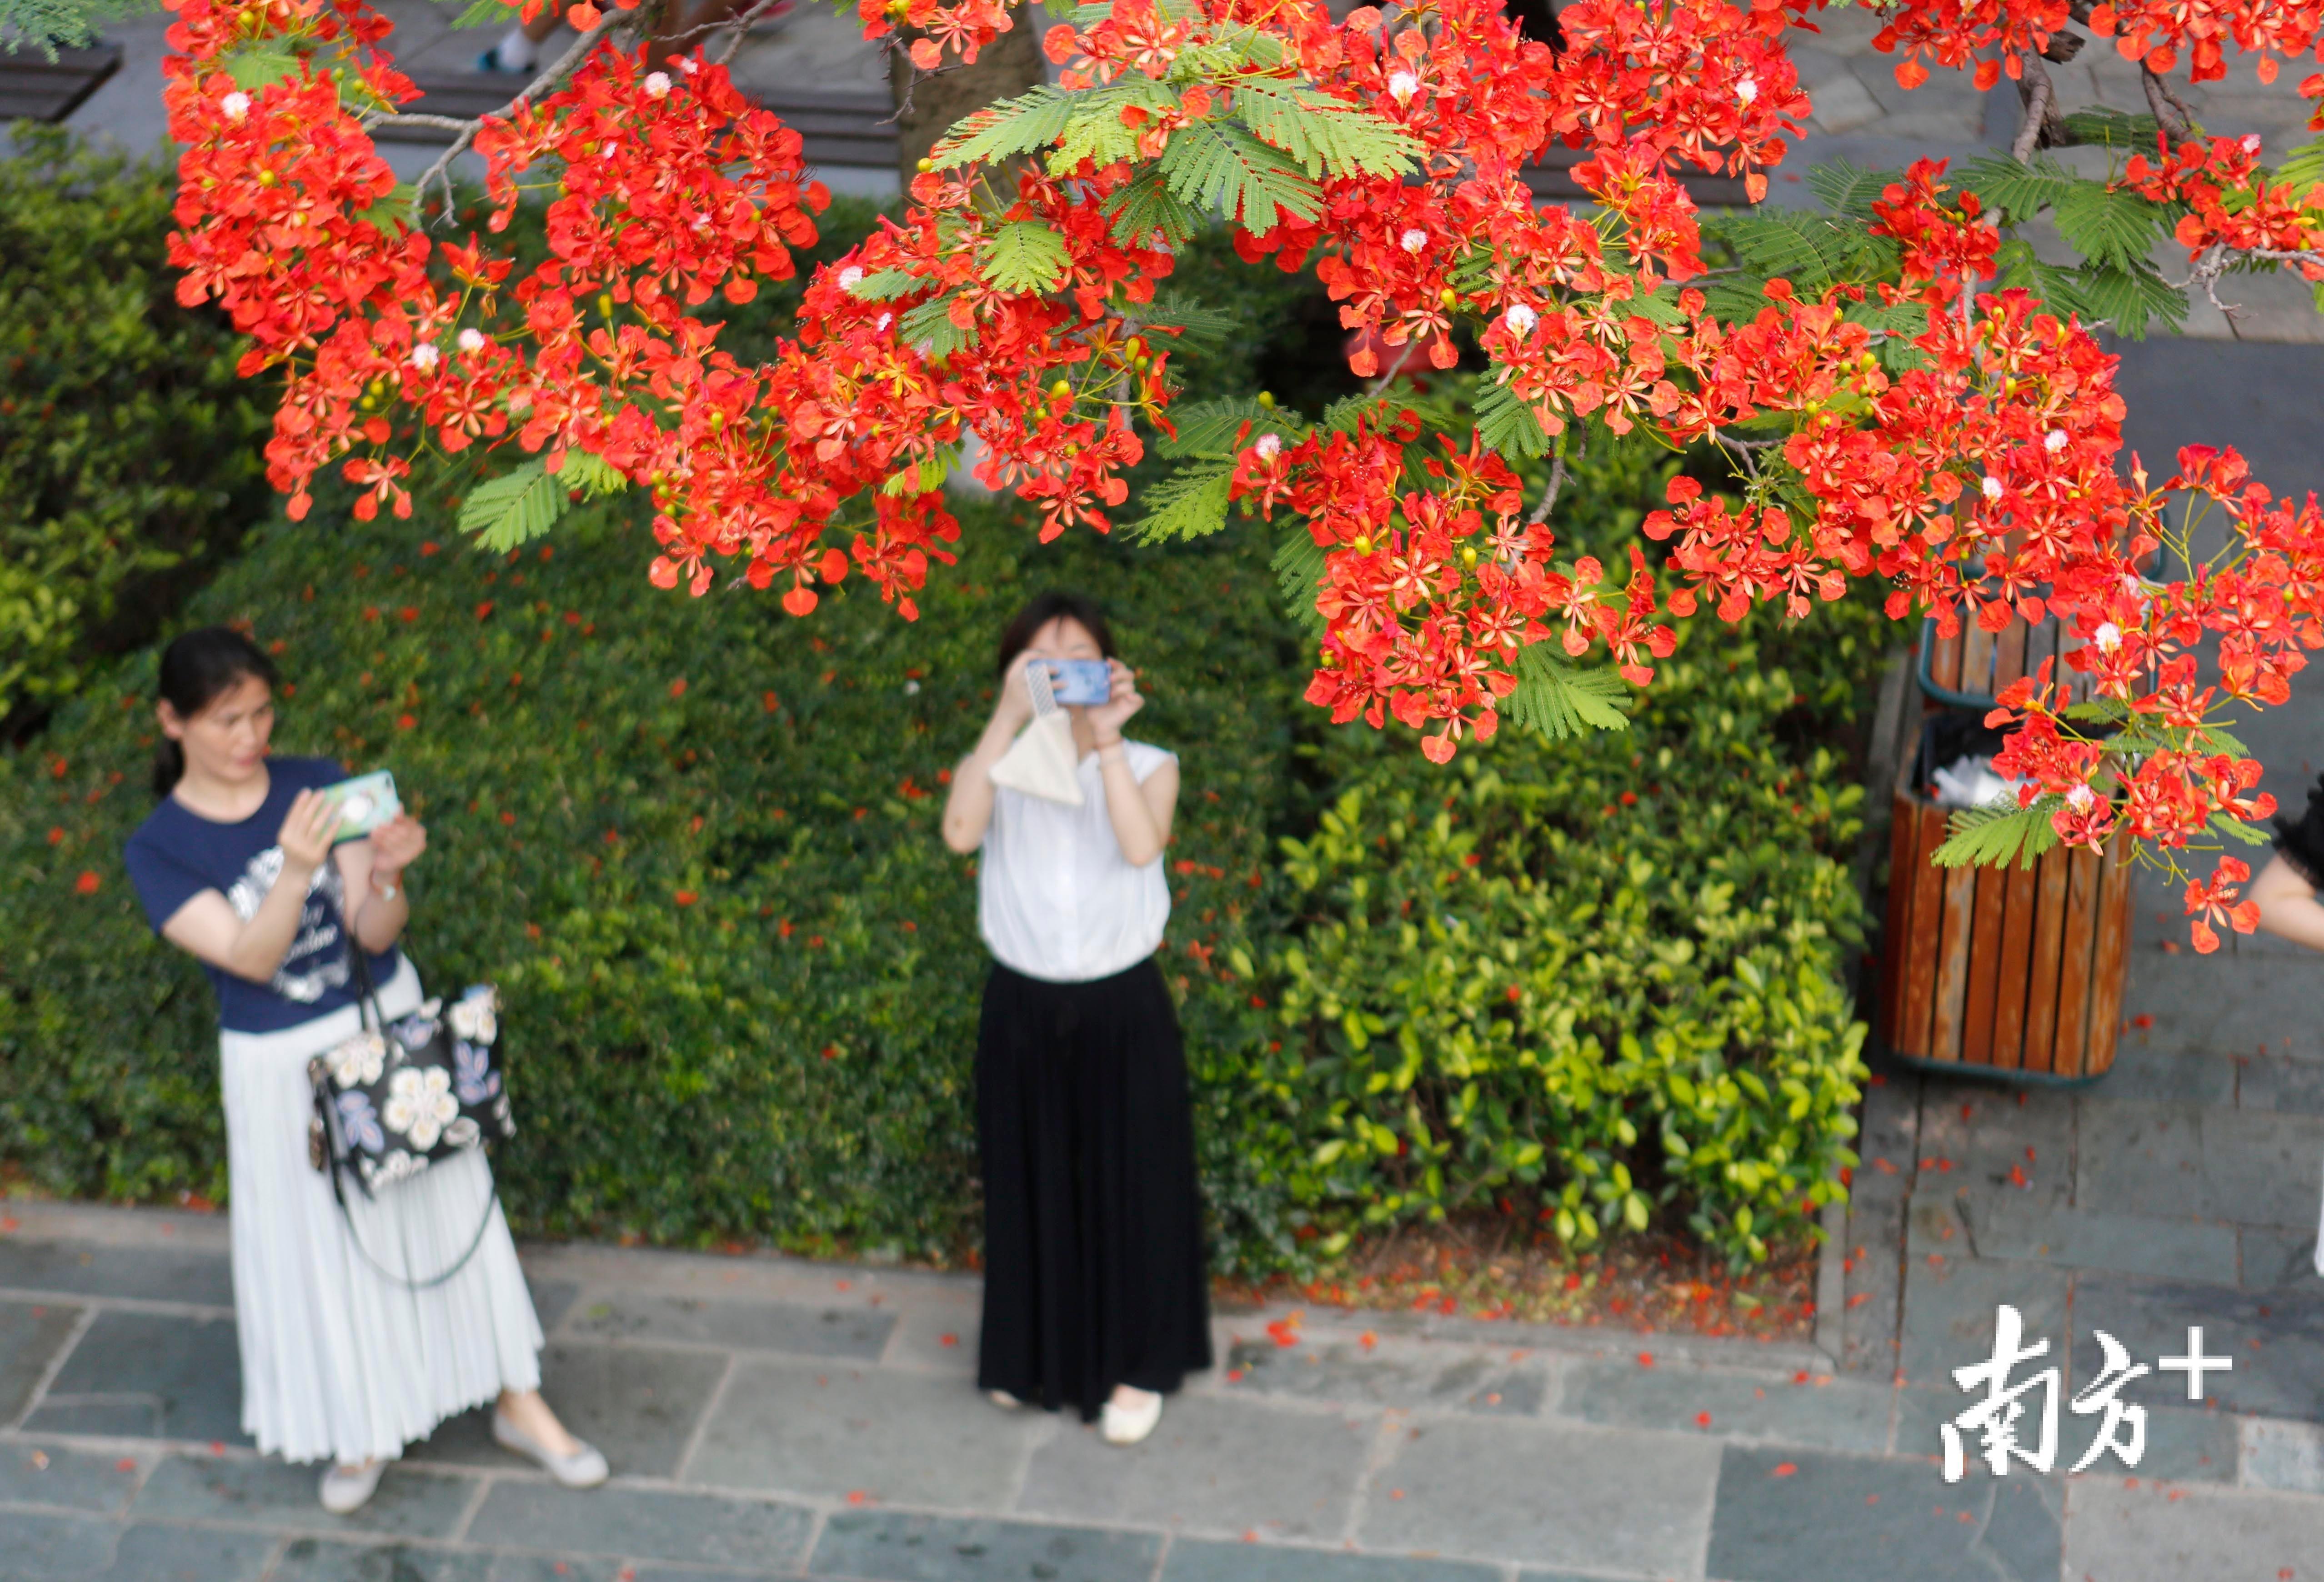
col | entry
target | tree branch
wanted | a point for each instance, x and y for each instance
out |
(1549, 497)
(2041, 102)
(2171, 112)
(546, 81)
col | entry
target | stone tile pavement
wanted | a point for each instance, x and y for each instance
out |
(771, 1418)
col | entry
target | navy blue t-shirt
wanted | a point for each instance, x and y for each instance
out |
(175, 854)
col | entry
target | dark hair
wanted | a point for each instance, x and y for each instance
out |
(197, 667)
(1018, 634)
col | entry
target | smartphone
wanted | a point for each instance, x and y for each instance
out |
(364, 802)
(1080, 681)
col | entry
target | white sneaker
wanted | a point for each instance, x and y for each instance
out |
(584, 1468)
(1126, 1425)
(1003, 1399)
(346, 1489)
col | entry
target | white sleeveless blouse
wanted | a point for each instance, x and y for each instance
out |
(1055, 898)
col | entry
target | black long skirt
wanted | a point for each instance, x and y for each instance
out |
(1093, 1271)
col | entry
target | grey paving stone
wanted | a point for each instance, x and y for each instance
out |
(889, 1547)
(2271, 1258)
(1213, 1465)
(551, 1299)
(1809, 1516)
(154, 1274)
(309, 1559)
(2277, 1455)
(637, 1404)
(270, 1493)
(2141, 1159)
(2159, 1532)
(2280, 1083)
(2261, 1168)
(1194, 1560)
(2275, 1337)
(899, 1437)
(1500, 1488)
(1949, 1308)
(1400, 1374)
(130, 1419)
(710, 1530)
(2130, 1244)
(2183, 1443)
(2147, 1075)
(1982, 1133)
(183, 1375)
(1836, 1414)
(762, 1326)
(31, 1334)
(2220, 1004)
(55, 1475)
(39, 1548)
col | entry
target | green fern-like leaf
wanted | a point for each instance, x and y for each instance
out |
(1560, 700)
(2303, 166)
(2128, 299)
(514, 508)
(1506, 423)
(481, 13)
(1095, 131)
(49, 25)
(2022, 191)
(2235, 830)
(1193, 504)
(1988, 837)
(1024, 255)
(1013, 127)
(1299, 570)
(594, 475)
(1343, 415)
(2113, 129)
(1221, 167)
(1146, 205)
(2115, 228)
(1847, 188)
(929, 326)
(1325, 134)
(1208, 428)
(886, 285)
(1196, 324)
(252, 70)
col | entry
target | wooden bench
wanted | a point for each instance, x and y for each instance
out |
(34, 87)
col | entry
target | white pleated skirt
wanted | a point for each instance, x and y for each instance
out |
(337, 1360)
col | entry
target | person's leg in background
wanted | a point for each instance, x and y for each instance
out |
(519, 50)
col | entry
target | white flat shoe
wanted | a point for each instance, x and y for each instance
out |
(1126, 1425)
(1003, 1399)
(584, 1468)
(347, 1489)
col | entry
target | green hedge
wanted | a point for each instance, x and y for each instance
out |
(694, 842)
(129, 450)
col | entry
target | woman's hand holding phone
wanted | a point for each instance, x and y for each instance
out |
(1124, 700)
(394, 846)
(308, 831)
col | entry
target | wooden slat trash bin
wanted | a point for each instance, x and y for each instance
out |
(2013, 971)
(1969, 668)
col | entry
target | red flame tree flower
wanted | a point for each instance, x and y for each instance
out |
(1915, 418)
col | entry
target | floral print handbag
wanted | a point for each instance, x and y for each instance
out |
(396, 1096)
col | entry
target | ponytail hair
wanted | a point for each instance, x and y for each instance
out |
(197, 667)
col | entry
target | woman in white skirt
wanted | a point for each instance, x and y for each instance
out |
(353, 1345)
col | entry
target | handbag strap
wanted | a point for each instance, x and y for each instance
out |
(354, 1238)
(359, 969)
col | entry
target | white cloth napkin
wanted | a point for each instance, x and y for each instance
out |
(1042, 762)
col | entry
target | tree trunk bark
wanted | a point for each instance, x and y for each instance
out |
(1009, 66)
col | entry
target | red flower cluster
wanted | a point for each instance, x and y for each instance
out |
(1007, 322)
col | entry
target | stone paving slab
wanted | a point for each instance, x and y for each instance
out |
(149, 1375)
(2127, 1530)
(1882, 1519)
(882, 1547)
(1806, 1409)
(639, 1404)
(1604, 1499)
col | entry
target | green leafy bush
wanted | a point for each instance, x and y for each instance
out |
(129, 450)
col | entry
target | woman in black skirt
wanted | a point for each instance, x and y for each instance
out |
(1093, 1280)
